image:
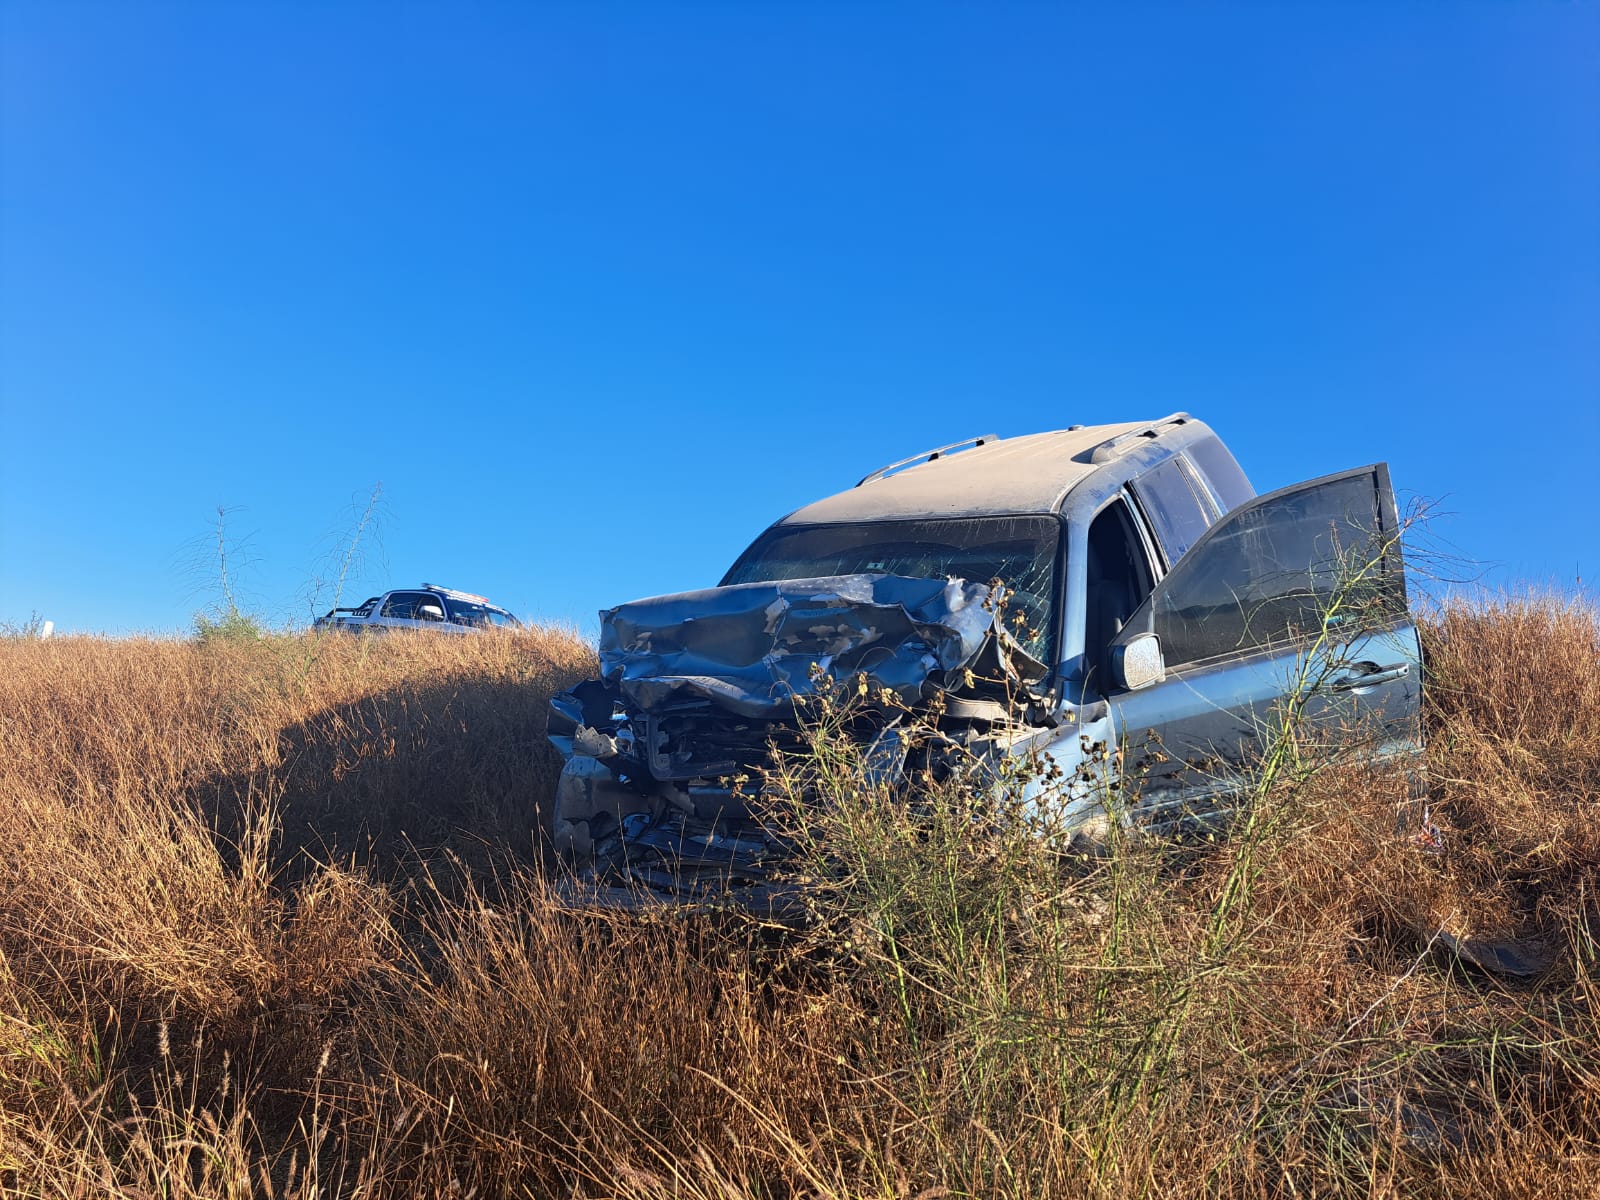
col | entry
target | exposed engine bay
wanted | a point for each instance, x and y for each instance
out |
(667, 750)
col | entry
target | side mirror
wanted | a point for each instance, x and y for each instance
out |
(1138, 662)
(430, 612)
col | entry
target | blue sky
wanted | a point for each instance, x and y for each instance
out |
(596, 291)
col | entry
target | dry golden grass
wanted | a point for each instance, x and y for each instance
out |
(272, 922)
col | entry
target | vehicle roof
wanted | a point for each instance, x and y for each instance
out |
(1028, 474)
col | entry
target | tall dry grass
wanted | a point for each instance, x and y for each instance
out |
(272, 923)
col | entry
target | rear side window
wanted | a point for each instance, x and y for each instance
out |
(1222, 471)
(1271, 574)
(1176, 513)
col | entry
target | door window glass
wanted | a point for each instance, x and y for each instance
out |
(404, 604)
(1277, 570)
(1175, 512)
(1222, 470)
(470, 612)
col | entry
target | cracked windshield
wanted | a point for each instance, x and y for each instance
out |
(1018, 551)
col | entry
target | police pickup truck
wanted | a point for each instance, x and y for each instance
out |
(439, 609)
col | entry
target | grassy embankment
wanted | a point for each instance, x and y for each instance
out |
(271, 924)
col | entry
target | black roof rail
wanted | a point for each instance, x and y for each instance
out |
(928, 456)
(1123, 442)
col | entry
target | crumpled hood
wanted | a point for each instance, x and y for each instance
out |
(755, 648)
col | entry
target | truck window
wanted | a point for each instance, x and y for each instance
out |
(1221, 470)
(1269, 575)
(1177, 515)
(404, 604)
(470, 612)
(1019, 551)
(1119, 579)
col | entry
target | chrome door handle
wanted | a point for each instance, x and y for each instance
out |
(1355, 681)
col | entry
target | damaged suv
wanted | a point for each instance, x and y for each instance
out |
(1053, 594)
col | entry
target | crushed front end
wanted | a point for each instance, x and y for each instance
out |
(666, 752)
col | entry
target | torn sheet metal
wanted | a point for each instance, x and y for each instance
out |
(698, 688)
(1523, 958)
(753, 649)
